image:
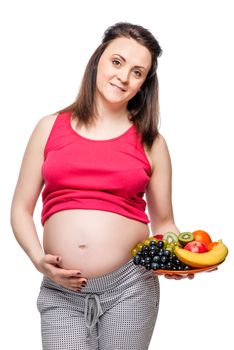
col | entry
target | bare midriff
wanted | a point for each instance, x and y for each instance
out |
(96, 242)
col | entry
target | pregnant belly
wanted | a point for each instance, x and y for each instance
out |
(93, 241)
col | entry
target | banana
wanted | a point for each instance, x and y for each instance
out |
(199, 260)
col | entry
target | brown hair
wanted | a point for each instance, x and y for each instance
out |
(144, 106)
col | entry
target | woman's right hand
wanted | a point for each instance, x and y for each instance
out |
(71, 279)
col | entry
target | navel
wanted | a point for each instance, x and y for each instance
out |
(81, 245)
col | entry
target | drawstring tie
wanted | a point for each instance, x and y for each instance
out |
(93, 310)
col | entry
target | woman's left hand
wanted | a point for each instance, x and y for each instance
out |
(190, 276)
(176, 276)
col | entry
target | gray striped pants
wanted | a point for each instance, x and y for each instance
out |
(115, 311)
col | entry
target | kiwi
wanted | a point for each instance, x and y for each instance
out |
(170, 237)
(185, 237)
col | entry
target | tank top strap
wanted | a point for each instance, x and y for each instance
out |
(58, 131)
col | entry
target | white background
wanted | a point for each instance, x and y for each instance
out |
(45, 46)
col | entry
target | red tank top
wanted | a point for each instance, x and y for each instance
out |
(81, 173)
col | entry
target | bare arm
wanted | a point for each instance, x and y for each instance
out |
(159, 193)
(27, 191)
(159, 190)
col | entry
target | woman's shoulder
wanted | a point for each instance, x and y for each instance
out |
(45, 123)
(42, 129)
(159, 145)
(48, 120)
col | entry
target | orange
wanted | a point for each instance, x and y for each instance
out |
(212, 245)
(202, 236)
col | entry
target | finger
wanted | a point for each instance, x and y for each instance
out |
(53, 259)
(79, 284)
(78, 281)
(214, 269)
(189, 276)
(70, 273)
(175, 277)
(83, 282)
(75, 288)
(168, 276)
(179, 277)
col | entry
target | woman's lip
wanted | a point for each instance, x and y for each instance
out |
(118, 87)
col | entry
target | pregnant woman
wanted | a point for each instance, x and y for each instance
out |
(96, 159)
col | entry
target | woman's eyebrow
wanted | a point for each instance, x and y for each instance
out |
(125, 60)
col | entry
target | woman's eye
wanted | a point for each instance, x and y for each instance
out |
(114, 61)
(117, 63)
(138, 73)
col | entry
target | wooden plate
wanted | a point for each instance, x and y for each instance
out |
(185, 272)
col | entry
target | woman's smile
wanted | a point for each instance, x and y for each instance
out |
(117, 88)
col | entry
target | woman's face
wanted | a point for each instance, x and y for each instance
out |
(121, 71)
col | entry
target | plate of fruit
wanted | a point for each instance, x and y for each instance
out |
(180, 254)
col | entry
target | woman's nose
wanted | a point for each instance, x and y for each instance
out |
(123, 76)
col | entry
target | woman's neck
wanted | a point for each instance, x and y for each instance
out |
(110, 113)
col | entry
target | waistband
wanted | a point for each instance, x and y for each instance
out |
(97, 285)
